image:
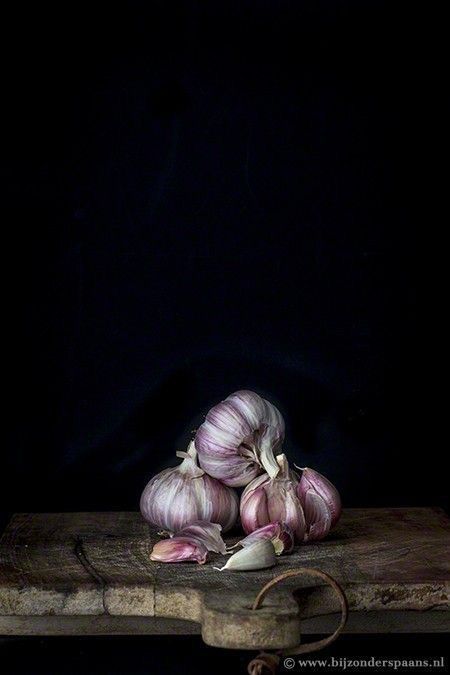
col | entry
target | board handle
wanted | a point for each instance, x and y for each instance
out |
(268, 662)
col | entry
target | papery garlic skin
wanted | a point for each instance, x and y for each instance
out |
(258, 556)
(208, 534)
(240, 438)
(266, 500)
(179, 549)
(192, 543)
(317, 516)
(321, 502)
(279, 534)
(184, 494)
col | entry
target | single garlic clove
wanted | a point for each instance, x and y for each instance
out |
(253, 509)
(258, 556)
(284, 505)
(179, 549)
(318, 517)
(265, 532)
(205, 533)
(280, 534)
(312, 480)
(255, 513)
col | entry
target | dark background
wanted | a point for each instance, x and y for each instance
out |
(202, 197)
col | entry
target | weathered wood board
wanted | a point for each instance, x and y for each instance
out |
(88, 566)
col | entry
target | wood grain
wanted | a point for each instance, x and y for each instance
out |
(98, 564)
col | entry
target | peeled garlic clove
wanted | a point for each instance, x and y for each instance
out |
(205, 533)
(179, 549)
(278, 533)
(184, 494)
(240, 438)
(314, 481)
(258, 556)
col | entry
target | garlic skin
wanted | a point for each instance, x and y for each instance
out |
(279, 534)
(207, 534)
(179, 549)
(257, 556)
(179, 496)
(192, 543)
(321, 502)
(240, 438)
(266, 500)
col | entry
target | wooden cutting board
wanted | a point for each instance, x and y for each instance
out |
(91, 573)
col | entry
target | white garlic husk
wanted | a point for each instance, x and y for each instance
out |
(239, 438)
(258, 556)
(179, 496)
(266, 500)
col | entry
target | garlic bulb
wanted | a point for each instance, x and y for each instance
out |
(258, 556)
(182, 495)
(266, 500)
(239, 439)
(279, 534)
(321, 503)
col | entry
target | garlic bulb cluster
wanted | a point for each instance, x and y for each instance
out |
(238, 445)
(240, 438)
(182, 495)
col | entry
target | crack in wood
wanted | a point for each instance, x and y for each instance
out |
(84, 561)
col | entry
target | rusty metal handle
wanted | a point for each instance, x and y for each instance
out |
(269, 662)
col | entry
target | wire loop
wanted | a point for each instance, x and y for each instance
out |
(266, 663)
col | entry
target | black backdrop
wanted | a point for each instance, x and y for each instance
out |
(202, 197)
(205, 196)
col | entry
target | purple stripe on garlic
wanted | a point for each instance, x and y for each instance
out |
(266, 500)
(316, 482)
(257, 556)
(192, 543)
(179, 496)
(279, 534)
(206, 533)
(179, 549)
(321, 502)
(240, 438)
